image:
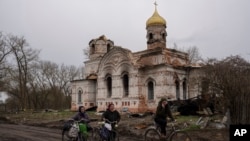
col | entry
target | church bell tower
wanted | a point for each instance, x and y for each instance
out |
(156, 31)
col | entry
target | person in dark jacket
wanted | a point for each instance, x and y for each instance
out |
(162, 112)
(111, 114)
(81, 115)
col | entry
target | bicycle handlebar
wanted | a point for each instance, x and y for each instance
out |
(79, 121)
(108, 121)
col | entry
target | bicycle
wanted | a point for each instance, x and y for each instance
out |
(173, 134)
(77, 131)
(106, 126)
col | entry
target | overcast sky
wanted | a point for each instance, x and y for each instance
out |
(61, 29)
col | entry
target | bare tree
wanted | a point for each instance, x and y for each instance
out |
(23, 57)
(86, 52)
(228, 82)
(193, 53)
(33, 83)
(4, 52)
(50, 84)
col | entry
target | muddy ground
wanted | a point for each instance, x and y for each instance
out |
(129, 128)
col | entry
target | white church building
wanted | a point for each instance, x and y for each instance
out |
(135, 80)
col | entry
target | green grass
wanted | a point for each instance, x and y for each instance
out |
(189, 120)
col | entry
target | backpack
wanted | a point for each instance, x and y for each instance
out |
(104, 133)
(73, 131)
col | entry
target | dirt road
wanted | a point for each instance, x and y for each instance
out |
(50, 131)
(12, 132)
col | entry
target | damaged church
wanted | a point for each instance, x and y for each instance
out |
(135, 80)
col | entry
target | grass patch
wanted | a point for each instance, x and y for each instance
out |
(39, 116)
(187, 123)
(187, 118)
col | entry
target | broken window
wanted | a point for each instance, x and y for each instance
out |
(108, 47)
(125, 80)
(93, 49)
(177, 85)
(150, 90)
(163, 36)
(109, 86)
(150, 36)
(184, 89)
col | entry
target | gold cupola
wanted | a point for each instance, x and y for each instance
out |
(156, 19)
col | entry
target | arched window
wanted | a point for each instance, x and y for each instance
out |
(150, 90)
(109, 86)
(184, 84)
(93, 49)
(80, 95)
(150, 36)
(163, 36)
(108, 47)
(177, 87)
(125, 81)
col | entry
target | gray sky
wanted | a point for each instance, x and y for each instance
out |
(63, 28)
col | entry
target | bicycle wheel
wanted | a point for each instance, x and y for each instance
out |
(152, 135)
(180, 136)
(95, 135)
(80, 137)
(66, 137)
(114, 136)
(83, 137)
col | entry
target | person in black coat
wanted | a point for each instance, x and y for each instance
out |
(162, 112)
(111, 115)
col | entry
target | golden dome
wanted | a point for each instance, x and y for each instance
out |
(156, 19)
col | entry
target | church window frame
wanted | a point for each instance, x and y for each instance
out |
(92, 49)
(125, 84)
(108, 79)
(150, 36)
(163, 35)
(184, 88)
(177, 89)
(150, 85)
(108, 47)
(79, 95)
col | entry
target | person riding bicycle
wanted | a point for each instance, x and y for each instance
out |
(162, 112)
(110, 116)
(81, 115)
